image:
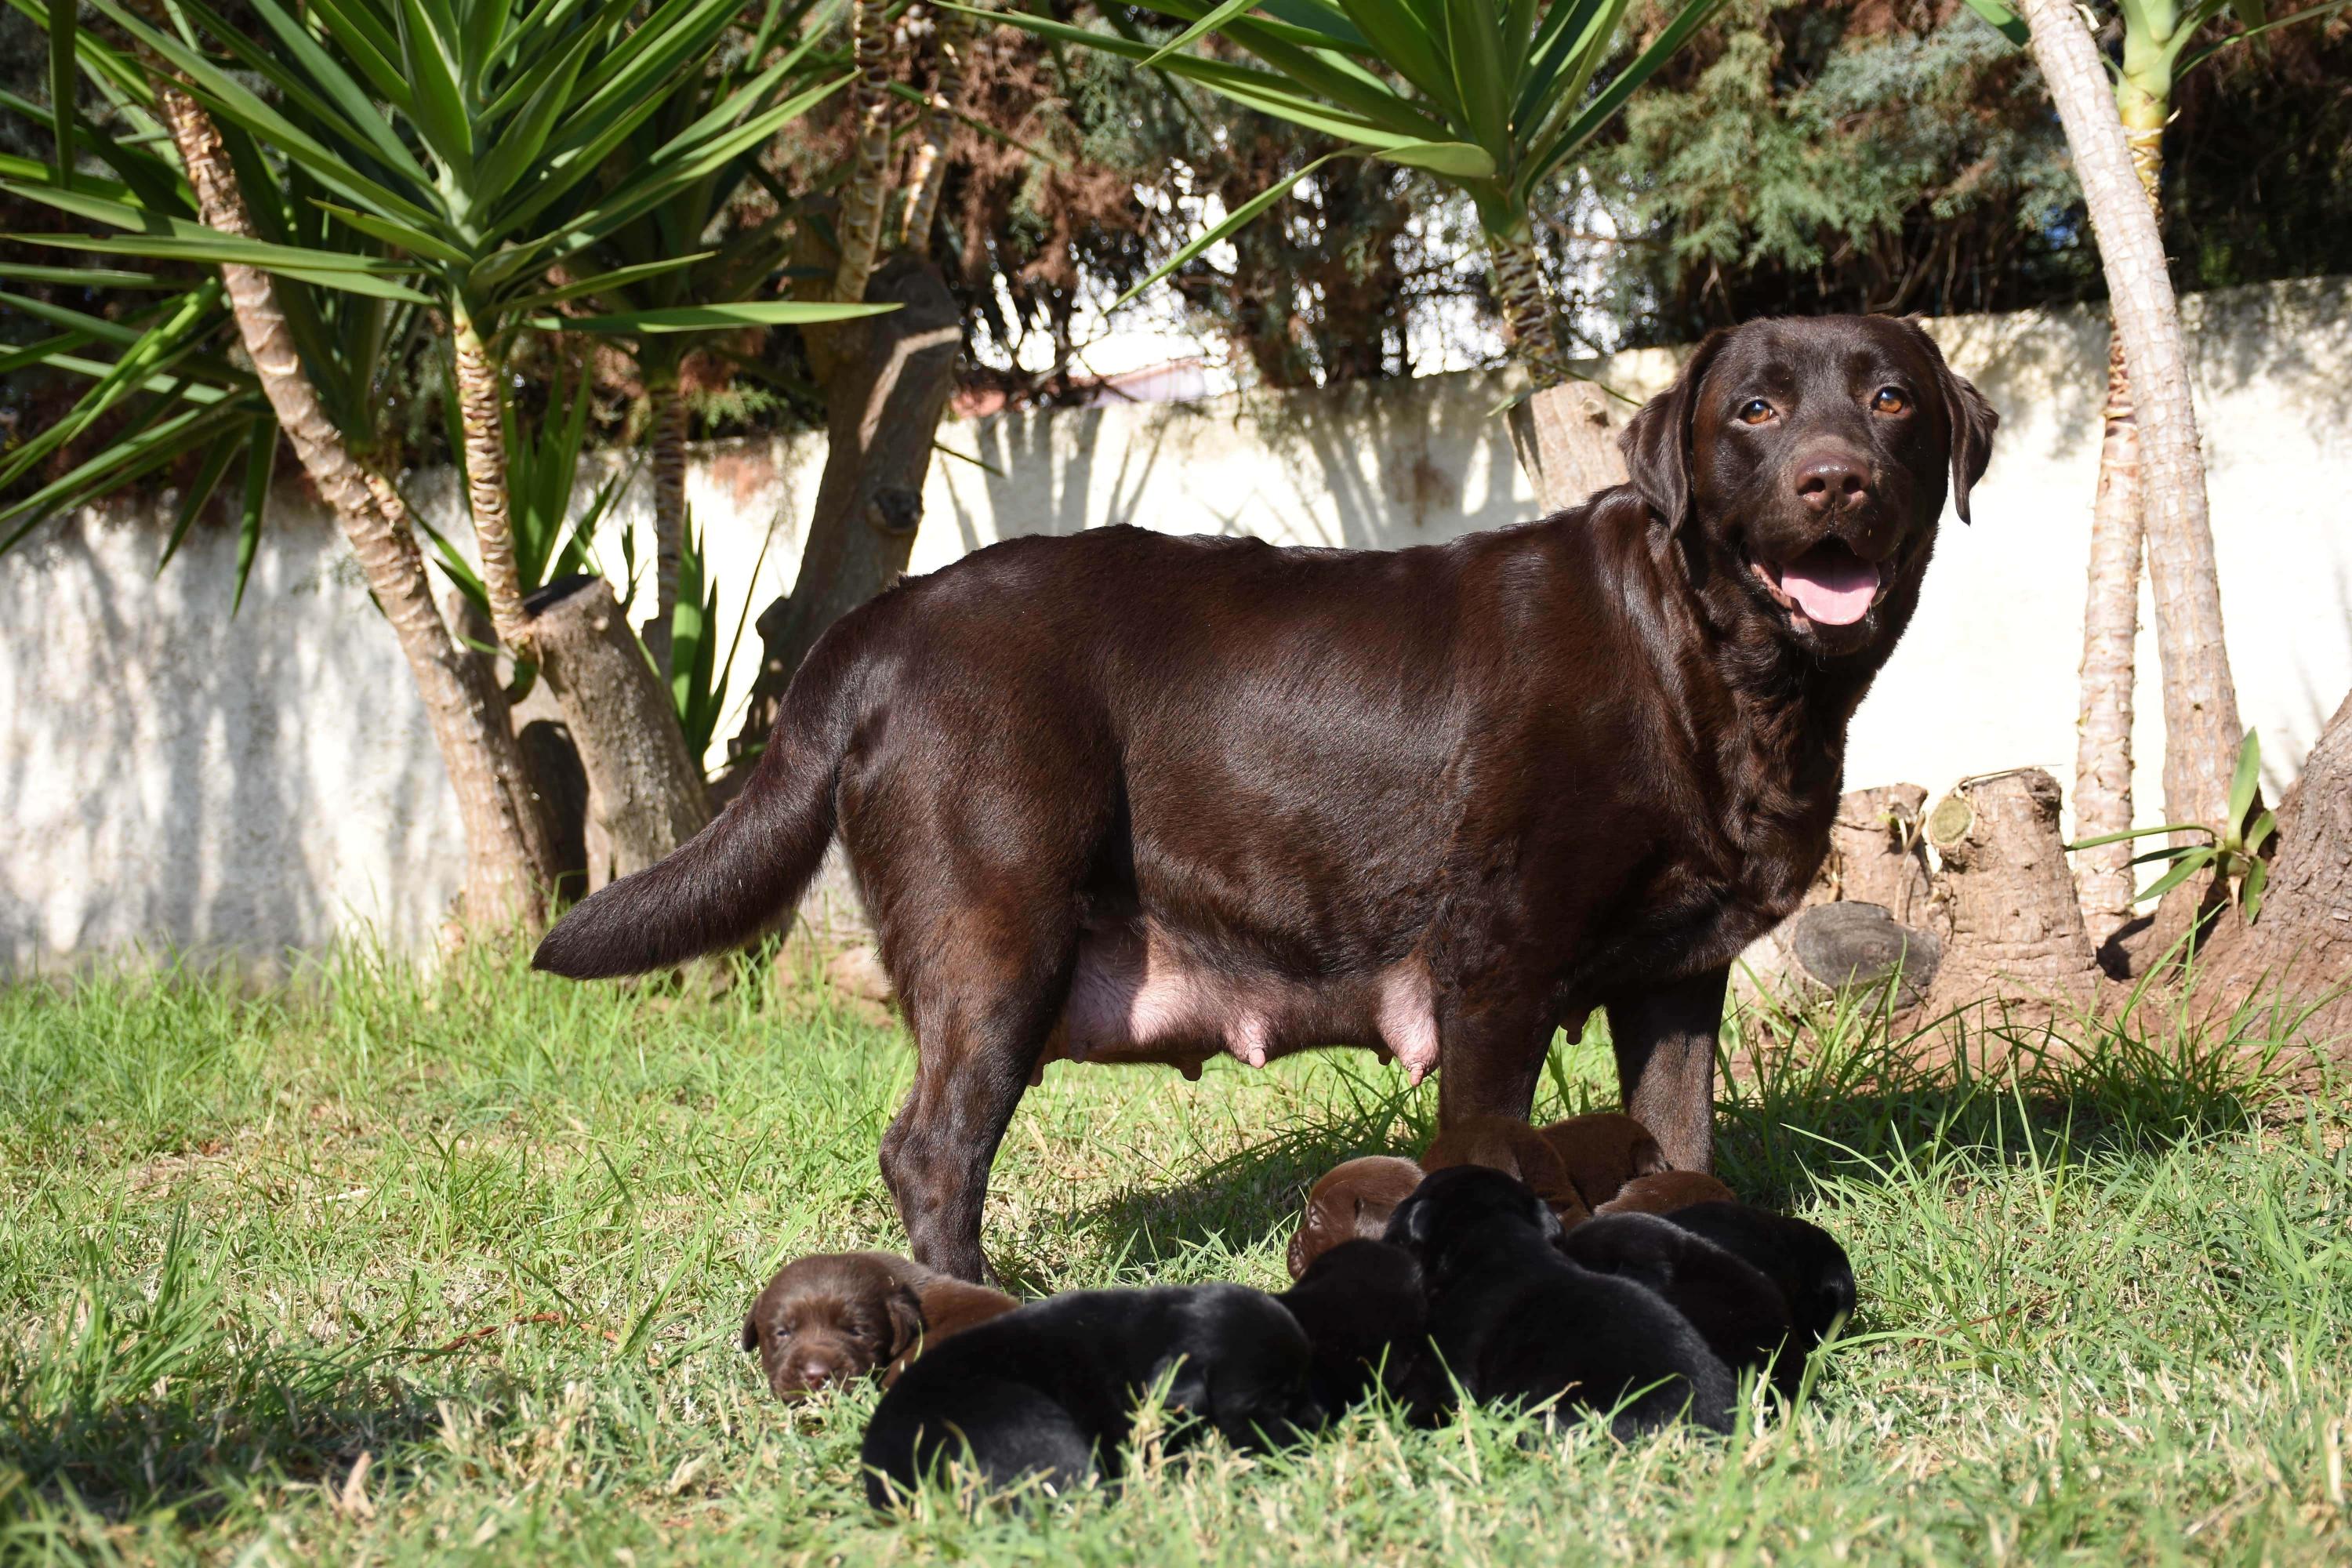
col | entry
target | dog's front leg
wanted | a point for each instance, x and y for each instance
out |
(1664, 1039)
(1490, 1054)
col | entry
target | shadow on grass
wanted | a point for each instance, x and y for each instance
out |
(134, 1405)
(1837, 1094)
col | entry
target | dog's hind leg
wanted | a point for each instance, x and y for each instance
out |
(983, 988)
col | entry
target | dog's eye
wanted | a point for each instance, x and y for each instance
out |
(1890, 400)
(1755, 411)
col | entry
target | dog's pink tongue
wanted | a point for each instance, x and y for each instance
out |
(1831, 587)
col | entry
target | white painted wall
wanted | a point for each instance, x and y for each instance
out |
(169, 775)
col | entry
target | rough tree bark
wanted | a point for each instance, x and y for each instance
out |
(860, 221)
(509, 863)
(2300, 949)
(2103, 752)
(485, 479)
(668, 437)
(644, 790)
(2201, 704)
(2016, 926)
(1529, 322)
(927, 170)
(886, 381)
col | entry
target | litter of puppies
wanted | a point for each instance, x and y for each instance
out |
(1564, 1269)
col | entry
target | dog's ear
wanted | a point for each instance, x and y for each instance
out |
(907, 1324)
(751, 1332)
(1646, 1158)
(1552, 1229)
(1413, 1226)
(1969, 419)
(1657, 440)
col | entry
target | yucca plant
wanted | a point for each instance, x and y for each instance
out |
(466, 135)
(1494, 97)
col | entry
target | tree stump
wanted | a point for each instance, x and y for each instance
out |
(1872, 911)
(643, 792)
(1851, 946)
(2016, 926)
(1565, 438)
(1878, 855)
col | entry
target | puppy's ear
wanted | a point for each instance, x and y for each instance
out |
(1971, 420)
(1413, 1225)
(906, 1323)
(1657, 440)
(1552, 1229)
(751, 1332)
(1646, 1158)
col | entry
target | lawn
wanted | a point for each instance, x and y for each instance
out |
(379, 1269)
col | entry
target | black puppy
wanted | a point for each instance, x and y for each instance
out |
(1366, 1314)
(1049, 1390)
(1806, 1261)
(1513, 1320)
(1738, 1311)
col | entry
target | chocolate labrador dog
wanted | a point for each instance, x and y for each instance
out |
(1121, 796)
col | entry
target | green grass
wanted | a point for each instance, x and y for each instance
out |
(497, 1234)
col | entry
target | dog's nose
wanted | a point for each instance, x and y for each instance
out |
(1827, 481)
(814, 1372)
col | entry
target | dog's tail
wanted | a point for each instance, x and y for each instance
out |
(721, 886)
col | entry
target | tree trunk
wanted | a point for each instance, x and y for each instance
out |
(2016, 926)
(859, 224)
(2201, 704)
(2299, 950)
(927, 171)
(1529, 321)
(887, 379)
(509, 863)
(669, 431)
(2103, 751)
(1566, 437)
(644, 790)
(486, 480)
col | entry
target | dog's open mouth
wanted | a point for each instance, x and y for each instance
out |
(1828, 584)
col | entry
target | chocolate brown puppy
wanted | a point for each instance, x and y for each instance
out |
(1516, 1149)
(1050, 1390)
(1119, 797)
(1603, 1150)
(1352, 1202)
(1665, 1192)
(1737, 1312)
(1806, 1261)
(1513, 1321)
(836, 1316)
(1365, 1310)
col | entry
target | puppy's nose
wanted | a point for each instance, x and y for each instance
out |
(815, 1373)
(1829, 480)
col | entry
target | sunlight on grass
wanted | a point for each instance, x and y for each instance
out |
(494, 1235)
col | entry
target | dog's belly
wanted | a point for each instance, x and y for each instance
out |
(1137, 995)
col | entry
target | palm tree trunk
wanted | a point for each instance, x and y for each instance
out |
(862, 193)
(486, 480)
(927, 171)
(669, 432)
(1529, 319)
(509, 861)
(2201, 702)
(2103, 754)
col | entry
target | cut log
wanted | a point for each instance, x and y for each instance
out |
(2016, 926)
(2297, 952)
(1860, 947)
(1565, 438)
(644, 793)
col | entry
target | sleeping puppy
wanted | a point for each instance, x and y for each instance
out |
(1366, 1314)
(837, 1316)
(1352, 1202)
(1804, 1260)
(1602, 1152)
(1664, 1192)
(1516, 1149)
(1737, 1312)
(1513, 1320)
(1049, 1390)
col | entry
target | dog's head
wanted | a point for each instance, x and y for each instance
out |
(1352, 1201)
(1465, 1206)
(828, 1319)
(1806, 460)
